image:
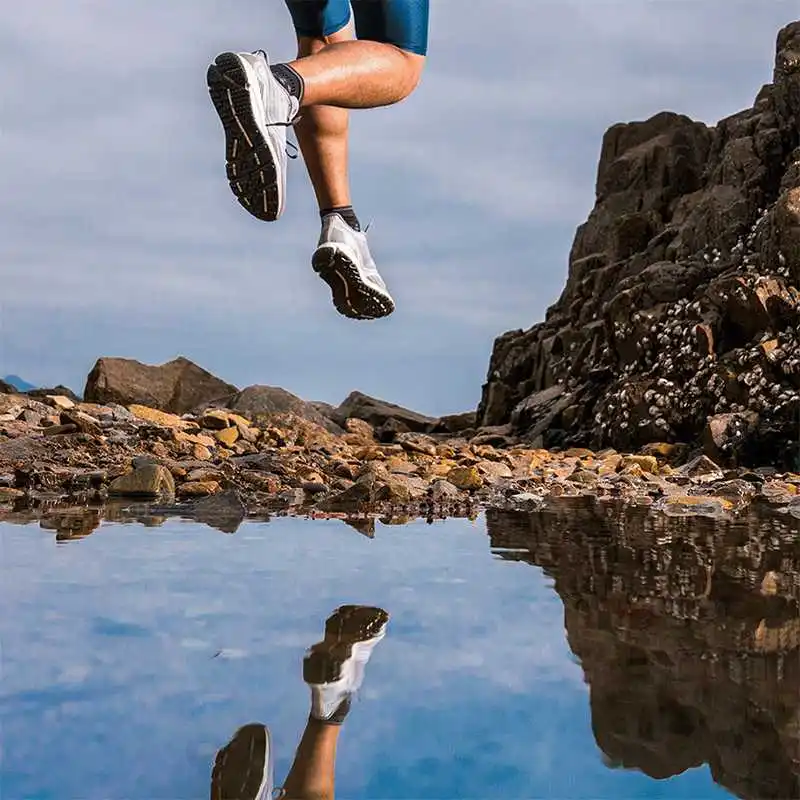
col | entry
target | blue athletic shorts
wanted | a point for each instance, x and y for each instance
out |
(403, 23)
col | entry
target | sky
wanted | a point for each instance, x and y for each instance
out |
(120, 237)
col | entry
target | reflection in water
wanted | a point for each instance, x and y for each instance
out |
(334, 670)
(688, 632)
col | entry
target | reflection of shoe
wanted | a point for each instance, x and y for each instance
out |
(255, 111)
(243, 768)
(342, 259)
(334, 667)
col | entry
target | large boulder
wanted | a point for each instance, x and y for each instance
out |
(682, 300)
(379, 414)
(257, 400)
(177, 386)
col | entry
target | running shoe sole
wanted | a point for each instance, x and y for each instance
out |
(352, 296)
(233, 776)
(344, 629)
(250, 160)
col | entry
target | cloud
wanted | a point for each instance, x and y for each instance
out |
(117, 217)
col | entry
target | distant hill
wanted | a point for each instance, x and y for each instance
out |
(19, 384)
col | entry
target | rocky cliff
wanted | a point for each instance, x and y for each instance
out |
(688, 635)
(679, 319)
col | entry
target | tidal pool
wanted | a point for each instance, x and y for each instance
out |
(578, 652)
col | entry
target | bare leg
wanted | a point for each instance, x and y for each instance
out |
(322, 133)
(341, 73)
(358, 74)
(312, 774)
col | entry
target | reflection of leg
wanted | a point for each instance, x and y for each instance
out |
(243, 768)
(334, 670)
(313, 768)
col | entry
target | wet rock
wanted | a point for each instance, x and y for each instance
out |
(146, 480)
(694, 506)
(467, 478)
(393, 491)
(442, 490)
(198, 488)
(702, 468)
(224, 511)
(361, 493)
(177, 386)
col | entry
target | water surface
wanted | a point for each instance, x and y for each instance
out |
(569, 654)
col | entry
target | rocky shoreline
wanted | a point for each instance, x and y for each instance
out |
(680, 315)
(217, 463)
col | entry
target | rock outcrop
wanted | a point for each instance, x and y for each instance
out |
(679, 320)
(689, 638)
(177, 386)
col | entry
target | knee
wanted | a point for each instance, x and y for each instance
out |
(413, 66)
(310, 45)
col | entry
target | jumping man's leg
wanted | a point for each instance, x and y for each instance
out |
(332, 74)
(257, 102)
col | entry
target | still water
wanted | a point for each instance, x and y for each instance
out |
(578, 652)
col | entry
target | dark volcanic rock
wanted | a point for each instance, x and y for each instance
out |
(7, 388)
(378, 413)
(177, 386)
(682, 299)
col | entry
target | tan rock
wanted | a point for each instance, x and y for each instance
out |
(7, 493)
(494, 469)
(465, 478)
(265, 483)
(248, 434)
(149, 480)
(157, 417)
(202, 474)
(401, 466)
(59, 401)
(193, 438)
(770, 584)
(159, 449)
(360, 428)
(371, 453)
(393, 491)
(198, 488)
(227, 436)
(578, 452)
(610, 464)
(201, 452)
(645, 463)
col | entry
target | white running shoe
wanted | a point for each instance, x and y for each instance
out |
(255, 110)
(334, 667)
(342, 259)
(243, 769)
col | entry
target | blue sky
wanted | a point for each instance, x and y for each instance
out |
(119, 236)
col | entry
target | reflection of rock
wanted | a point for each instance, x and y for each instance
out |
(71, 523)
(688, 634)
